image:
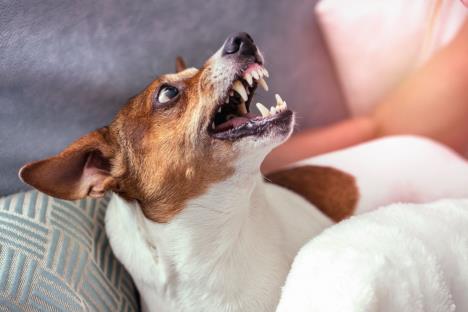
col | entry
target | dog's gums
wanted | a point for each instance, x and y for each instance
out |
(233, 119)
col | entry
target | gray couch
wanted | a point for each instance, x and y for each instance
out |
(67, 66)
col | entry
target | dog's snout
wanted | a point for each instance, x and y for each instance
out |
(240, 43)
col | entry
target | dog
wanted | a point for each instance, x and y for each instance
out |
(192, 218)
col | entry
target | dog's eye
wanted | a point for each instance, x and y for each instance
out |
(167, 93)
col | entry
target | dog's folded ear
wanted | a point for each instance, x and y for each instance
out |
(82, 169)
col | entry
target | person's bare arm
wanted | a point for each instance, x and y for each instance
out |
(314, 142)
(432, 102)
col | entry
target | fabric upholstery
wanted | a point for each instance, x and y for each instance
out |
(67, 66)
(55, 256)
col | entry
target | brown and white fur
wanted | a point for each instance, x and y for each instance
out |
(192, 218)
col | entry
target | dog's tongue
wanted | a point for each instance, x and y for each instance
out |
(232, 123)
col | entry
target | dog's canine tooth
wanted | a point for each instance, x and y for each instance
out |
(248, 78)
(263, 110)
(243, 108)
(265, 72)
(263, 84)
(239, 88)
(220, 109)
(213, 126)
(280, 108)
(279, 100)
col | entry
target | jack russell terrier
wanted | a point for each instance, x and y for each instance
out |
(192, 218)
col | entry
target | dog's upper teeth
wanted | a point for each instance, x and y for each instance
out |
(265, 72)
(213, 126)
(263, 84)
(239, 88)
(243, 108)
(255, 74)
(263, 110)
(260, 73)
(248, 78)
(273, 110)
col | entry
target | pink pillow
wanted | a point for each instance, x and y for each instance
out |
(376, 43)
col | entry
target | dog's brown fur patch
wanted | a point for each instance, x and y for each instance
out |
(169, 167)
(332, 191)
(161, 156)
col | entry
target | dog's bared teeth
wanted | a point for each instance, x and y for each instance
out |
(260, 73)
(265, 72)
(213, 126)
(263, 84)
(248, 78)
(273, 110)
(239, 88)
(242, 108)
(280, 104)
(263, 110)
(255, 74)
(279, 101)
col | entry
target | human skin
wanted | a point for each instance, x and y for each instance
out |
(432, 102)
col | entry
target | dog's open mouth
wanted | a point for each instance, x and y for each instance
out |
(233, 118)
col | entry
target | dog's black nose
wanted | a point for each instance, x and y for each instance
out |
(240, 43)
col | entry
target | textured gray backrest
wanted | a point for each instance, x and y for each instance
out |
(67, 66)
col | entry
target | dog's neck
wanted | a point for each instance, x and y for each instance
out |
(220, 240)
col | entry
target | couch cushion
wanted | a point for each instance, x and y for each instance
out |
(55, 256)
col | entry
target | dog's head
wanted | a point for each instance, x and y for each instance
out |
(182, 133)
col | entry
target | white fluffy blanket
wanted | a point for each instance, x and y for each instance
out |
(403, 257)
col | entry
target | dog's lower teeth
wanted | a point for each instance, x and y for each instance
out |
(263, 110)
(279, 108)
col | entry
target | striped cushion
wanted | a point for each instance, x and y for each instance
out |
(55, 256)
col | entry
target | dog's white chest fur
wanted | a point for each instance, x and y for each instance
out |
(226, 251)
